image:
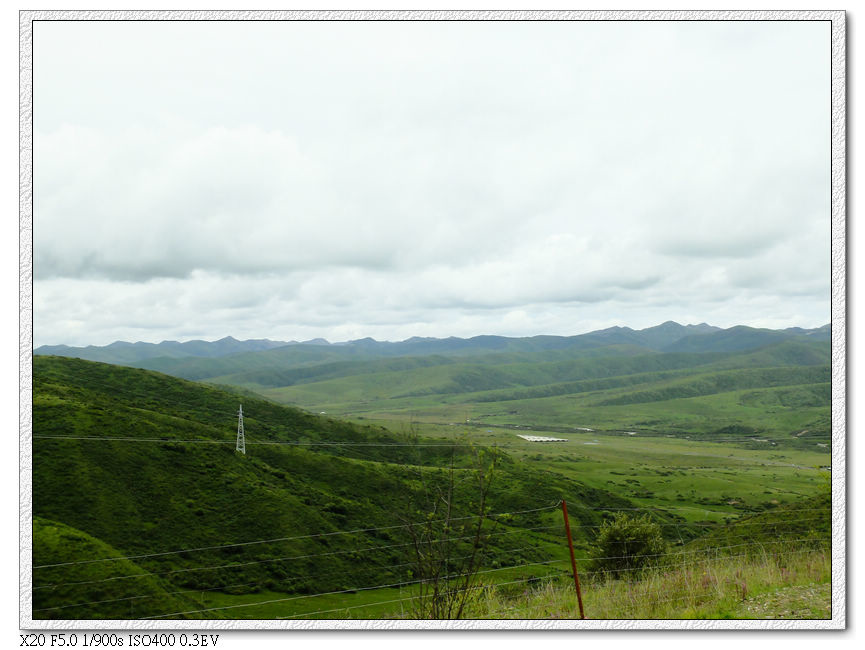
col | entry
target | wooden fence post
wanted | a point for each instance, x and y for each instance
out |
(573, 560)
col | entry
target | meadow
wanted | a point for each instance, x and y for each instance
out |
(145, 510)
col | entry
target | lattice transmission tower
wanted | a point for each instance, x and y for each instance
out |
(241, 439)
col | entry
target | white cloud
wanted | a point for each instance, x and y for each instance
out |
(292, 180)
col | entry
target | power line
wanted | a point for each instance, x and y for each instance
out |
(199, 407)
(702, 550)
(398, 600)
(663, 509)
(261, 442)
(406, 583)
(342, 591)
(283, 559)
(390, 546)
(716, 525)
(674, 565)
(258, 584)
(339, 609)
(731, 526)
(144, 596)
(296, 537)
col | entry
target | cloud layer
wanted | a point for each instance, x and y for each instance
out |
(295, 180)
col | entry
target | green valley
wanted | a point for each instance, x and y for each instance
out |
(361, 455)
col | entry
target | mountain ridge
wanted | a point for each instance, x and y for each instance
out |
(665, 337)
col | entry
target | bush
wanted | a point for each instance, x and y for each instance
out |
(626, 545)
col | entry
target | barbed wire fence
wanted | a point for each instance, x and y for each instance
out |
(506, 567)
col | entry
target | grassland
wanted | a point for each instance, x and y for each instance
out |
(792, 585)
(132, 463)
(144, 465)
(769, 565)
(780, 392)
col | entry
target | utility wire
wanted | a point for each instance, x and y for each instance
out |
(342, 591)
(210, 411)
(702, 550)
(398, 600)
(281, 559)
(261, 442)
(143, 596)
(296, 537)
(258, 584)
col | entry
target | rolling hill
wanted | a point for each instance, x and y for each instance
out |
(781, 390)
(669, 379)
(142, 507)
(137, 472)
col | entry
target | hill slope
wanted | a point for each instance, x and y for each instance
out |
(107, 598)
(145, 464)
(781, 390)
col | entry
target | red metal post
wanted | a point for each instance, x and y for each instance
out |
(573, 559)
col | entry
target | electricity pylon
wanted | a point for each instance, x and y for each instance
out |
(241, 439)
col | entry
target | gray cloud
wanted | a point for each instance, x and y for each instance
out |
(399, 179)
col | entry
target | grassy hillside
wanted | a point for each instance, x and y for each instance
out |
(53, 597)
(447, 377)
(725, 382)
(793, 584)
(141, 500)
(780, 392)
(740, 382)
(144, 466)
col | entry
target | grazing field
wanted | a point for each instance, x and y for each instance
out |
(701, 480)
(797, 416)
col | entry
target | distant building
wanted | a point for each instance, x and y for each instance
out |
(541, 438)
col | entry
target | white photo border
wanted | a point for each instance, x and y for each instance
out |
(838, 292)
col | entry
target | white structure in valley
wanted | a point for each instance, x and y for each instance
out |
(541, 438)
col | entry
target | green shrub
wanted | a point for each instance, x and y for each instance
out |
(625, 545)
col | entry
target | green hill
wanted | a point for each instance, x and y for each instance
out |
(451, 379)
(105, 597)
(143, 466)
(799, 525)
(723, 382)
(780, 390)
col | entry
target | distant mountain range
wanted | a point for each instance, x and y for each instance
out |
(124, 353)
(666, 337)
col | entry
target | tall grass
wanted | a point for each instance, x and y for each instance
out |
(710, 588)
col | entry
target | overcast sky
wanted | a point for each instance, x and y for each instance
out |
(395, 179)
